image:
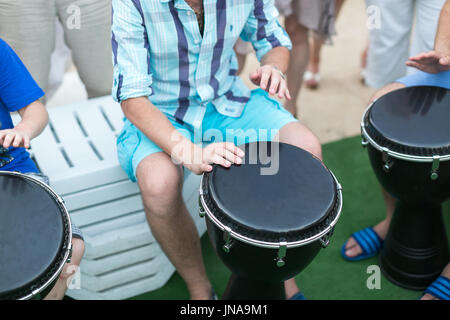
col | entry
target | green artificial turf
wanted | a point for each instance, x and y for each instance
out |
(328, 276)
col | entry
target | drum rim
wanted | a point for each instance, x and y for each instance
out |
(66, 246)
(367, 139)
(274, 245)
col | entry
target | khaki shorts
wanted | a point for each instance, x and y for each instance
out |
(28, 26)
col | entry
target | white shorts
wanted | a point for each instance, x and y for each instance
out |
(392, 39)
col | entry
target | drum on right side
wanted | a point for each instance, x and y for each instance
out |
(407, 134)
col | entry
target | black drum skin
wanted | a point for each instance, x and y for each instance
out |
(414, 123)
(34, 237)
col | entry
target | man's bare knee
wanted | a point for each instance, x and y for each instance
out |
(300, 136)
(388, 88)
(160, 182)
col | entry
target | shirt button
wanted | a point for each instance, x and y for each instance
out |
(196, 41)
(189, 13)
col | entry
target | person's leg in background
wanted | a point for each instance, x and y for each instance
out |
(87, 28)
(352, 249)
(60, 288)
(34, 40)
(427, 18)
(389, 40)
(299, 60)
(312, 76)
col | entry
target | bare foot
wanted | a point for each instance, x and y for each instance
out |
(445, 273)
(352, 249)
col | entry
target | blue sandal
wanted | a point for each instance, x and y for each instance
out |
(440, 288)
(298, 296)
(368, 240)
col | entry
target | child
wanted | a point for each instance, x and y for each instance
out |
(19, 92)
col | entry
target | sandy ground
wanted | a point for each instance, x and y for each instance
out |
(334, 110)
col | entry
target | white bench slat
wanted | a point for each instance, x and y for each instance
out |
(119, 260)
(72, 139)
(124, 221)
(124, 275)
(100, 195)
(50, 159)
(106, 211)
(126, 238)
(79, 179)
(99, 132)
(127, 290)
(112, 110)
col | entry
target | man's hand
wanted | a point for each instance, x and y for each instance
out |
(221, 153)
(431, 62)
(14, 137)
(272, 80)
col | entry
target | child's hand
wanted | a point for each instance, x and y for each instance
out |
(15, 138)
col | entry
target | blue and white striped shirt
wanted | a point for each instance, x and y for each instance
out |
(159, 53)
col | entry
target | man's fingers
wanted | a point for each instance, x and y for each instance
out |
(220, 160)
(26, 142)
(232, 147)
(17, 142)
(8, 140)
(265, 76)
(274, 82)
(283, 90)
(445, 61)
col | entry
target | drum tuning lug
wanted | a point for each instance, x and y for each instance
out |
(201, 209)
(228, 240)
(364, 142)
(388, 163)
(281, 254)
(69, 257)
(435, 167)
(325, 240)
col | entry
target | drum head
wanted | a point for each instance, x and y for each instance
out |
(412, 120)
(31, 234)
(300, 194)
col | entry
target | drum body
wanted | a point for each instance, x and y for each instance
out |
(267, 229)
(408, 141)
(35, 237)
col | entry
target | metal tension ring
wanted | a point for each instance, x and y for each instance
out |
(325, 240)
(388, 163)
(434, 168)
(281, 254)
(228, 240)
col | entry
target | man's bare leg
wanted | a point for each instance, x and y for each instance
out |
(298, 62)
(352, 247)
(160, 181)
(300, 136)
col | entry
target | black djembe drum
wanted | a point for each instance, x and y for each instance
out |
(407, 134)
(35, 237)
(267, 222)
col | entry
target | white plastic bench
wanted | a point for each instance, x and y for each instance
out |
(77, 151)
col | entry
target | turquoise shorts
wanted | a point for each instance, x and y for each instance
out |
(260, 120)
(421, 78)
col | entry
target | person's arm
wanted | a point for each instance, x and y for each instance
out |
(34, 119)
(437, 60)
(132, 87)
(19, 92)
(272, 45)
